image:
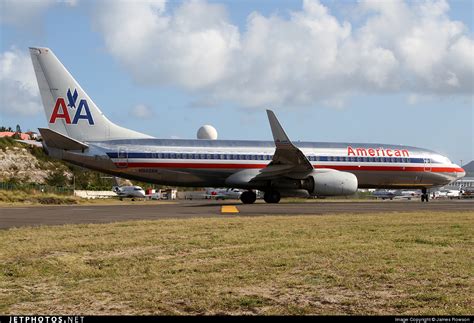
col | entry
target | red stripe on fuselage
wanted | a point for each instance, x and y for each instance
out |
(257, 166)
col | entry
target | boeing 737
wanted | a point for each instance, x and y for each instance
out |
(79, 133)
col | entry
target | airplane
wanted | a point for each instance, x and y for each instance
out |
(448, 194)
(223, 193)
(128, 190)
(395, 194)
(78, 132)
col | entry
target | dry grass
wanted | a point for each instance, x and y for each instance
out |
(18, 197)
(406, 263)
(15, 198)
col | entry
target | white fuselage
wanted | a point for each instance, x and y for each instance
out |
(209, 162)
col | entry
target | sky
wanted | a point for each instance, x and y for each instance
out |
(391, 72)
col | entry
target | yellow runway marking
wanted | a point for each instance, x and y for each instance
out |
(229, 209)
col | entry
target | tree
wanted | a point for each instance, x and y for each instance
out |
(56, 178)
(18, 129)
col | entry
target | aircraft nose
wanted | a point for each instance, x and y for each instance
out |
(462, 173)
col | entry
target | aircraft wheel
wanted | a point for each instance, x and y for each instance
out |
(424, 195)
(248, 197)
(272, 197)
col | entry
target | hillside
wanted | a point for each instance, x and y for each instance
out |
(469, 168)
(21, 164)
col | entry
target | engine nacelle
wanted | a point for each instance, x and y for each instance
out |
(330, 182)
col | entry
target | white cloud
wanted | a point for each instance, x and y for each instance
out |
(309, 57)
(14, 12)
(141, 111)
(21, 13)
(18, 87)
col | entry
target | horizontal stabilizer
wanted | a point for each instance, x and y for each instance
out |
(55, 139)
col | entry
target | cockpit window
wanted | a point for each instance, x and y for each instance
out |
(439, 159)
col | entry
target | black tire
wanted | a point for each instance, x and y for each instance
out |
(272, 197)
(248, 197)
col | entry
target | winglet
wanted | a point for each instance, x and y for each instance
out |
(279, 134)
(286, 153)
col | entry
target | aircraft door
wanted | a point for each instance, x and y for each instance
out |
(427, 164)
(122, 157)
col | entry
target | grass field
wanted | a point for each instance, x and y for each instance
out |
(398, 263)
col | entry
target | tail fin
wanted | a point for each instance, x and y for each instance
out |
(68, 108)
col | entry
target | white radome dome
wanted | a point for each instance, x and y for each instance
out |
(207, 132)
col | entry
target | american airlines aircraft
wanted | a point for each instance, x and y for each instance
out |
(81, 134)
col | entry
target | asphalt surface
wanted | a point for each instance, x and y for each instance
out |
(74, 214)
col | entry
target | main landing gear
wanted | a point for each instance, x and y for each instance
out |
(272, 196)
(248, 197)
(424, 195)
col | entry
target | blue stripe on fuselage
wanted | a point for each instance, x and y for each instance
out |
(262, 157)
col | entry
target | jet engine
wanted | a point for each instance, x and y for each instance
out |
(330, 182)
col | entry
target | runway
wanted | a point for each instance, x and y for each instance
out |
(74, 214)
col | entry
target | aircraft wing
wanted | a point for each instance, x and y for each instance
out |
(288, 160)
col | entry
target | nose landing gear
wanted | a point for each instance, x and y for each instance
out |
(424, 195)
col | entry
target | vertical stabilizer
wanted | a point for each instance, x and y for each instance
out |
(69, 110)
